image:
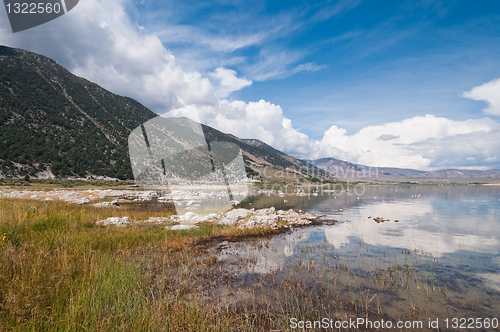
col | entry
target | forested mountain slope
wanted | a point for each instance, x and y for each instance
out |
(50, 117)
(53, 123)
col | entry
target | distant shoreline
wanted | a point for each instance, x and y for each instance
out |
(421, 181)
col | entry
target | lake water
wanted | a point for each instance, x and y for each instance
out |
(437, 256)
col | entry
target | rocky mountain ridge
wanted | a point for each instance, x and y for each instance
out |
(54, 124)
(346, 171)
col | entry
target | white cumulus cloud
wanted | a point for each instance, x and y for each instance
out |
(419, 142)
(228, 82)
(259, 120)
(489, 92)
(118, 55)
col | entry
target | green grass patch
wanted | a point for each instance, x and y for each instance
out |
(62, 272)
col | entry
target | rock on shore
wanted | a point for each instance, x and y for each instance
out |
(115, 221)
(242, 218)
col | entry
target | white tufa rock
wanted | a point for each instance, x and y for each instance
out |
(265, 212)
(189, 216)
(181, 227)
(115, 221)
(210, 218)
(234, 216)
(262, 222)
(82, 201)
(262, 212)
(107, 204)
(157, 220)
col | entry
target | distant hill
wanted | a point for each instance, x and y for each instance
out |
(55, 124)
(346, 170)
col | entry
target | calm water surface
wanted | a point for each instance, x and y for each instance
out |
(434, 256)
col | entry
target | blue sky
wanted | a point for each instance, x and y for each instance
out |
(385, 83)
(372, 61)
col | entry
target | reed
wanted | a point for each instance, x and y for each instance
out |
(59, 271)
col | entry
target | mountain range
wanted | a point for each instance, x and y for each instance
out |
(55, 124)
(344, 170)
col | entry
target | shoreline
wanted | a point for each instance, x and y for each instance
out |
(194, 271)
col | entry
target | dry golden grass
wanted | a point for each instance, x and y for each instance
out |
(61, 271)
